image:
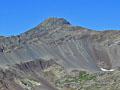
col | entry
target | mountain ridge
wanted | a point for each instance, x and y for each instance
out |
(59, 32)
(56, 55)
(54, 32)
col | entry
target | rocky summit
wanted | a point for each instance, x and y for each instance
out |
(55, 55)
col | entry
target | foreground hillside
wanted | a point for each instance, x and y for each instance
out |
(48, 75)
(56, 55)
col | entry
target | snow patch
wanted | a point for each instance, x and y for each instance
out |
(105, 70)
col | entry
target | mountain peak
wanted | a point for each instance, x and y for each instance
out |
(55, 21)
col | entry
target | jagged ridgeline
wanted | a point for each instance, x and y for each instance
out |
(62, 47)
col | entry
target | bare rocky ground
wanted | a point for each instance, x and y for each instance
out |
(48, 75)
(58, 56)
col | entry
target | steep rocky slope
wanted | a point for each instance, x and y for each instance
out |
(55, 45)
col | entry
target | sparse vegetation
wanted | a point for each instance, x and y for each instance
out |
(27, 83)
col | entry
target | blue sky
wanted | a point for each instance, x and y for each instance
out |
(17, 16)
